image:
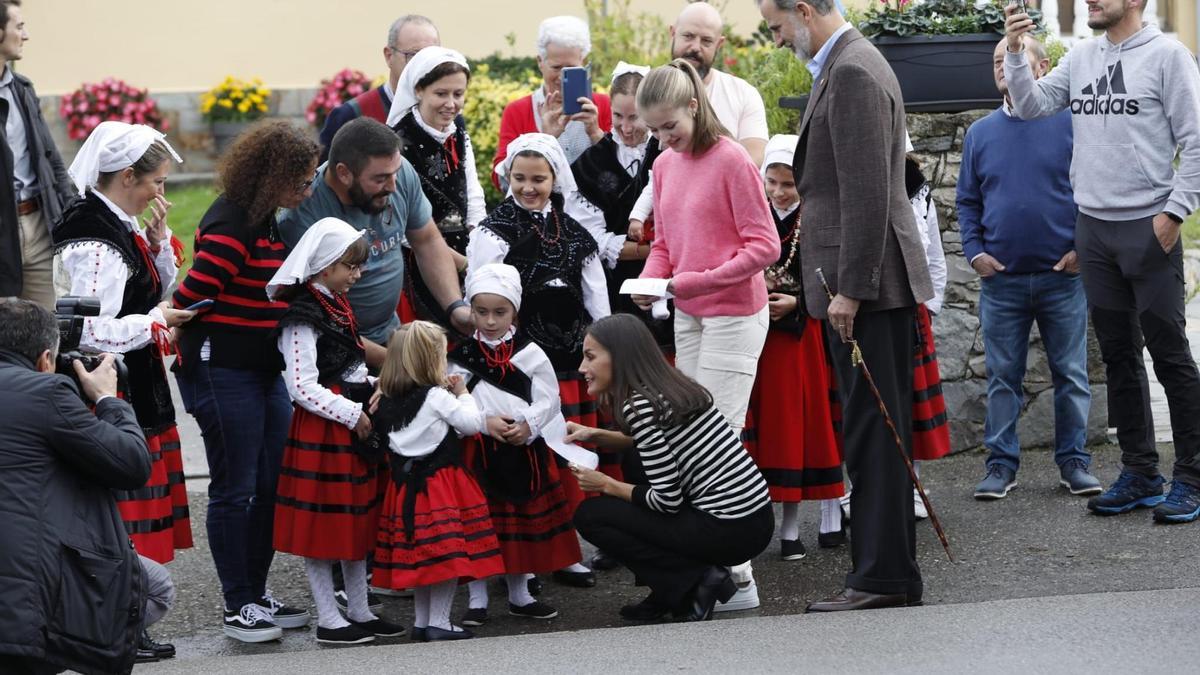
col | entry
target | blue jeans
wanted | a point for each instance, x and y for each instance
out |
(1008, 306)
(244, 417)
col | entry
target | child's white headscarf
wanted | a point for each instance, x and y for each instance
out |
(547, 146)
(322, 245)
(781, 149)
(498, 279)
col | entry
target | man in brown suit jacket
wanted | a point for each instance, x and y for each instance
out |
(858, 228)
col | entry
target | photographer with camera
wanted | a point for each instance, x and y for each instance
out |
(103, 252)
(74, 593)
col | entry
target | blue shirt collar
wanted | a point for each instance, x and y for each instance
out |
(817, 63)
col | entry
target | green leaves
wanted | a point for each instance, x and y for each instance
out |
(938, 17)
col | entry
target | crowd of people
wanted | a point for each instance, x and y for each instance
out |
(652, 339)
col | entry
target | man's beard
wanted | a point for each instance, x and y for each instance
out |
(696, 59)
(802, 43)
(1105, 20)
(364, 201)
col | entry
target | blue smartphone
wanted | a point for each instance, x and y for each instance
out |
(203, 304)
(576, 84)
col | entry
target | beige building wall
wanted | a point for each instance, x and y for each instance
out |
(190, 45)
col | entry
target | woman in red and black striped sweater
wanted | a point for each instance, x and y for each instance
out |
(229, 368)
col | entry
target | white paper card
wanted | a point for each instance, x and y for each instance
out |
(654, 287)
(554, 432)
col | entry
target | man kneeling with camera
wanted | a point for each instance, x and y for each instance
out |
(75, 593)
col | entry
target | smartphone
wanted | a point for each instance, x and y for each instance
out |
(576, 83)
(199, 306)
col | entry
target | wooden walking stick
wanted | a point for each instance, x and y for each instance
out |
(856, 359)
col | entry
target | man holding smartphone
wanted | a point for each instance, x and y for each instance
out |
(1134, 96)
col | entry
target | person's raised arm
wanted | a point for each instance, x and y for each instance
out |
(1031, 98)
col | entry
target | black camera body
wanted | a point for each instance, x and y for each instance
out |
(71, 311)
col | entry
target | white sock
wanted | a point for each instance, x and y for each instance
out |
(421, 607)
(831, 515)
(789, 530)
(441, 600)
(477, 594)
(320, 579)
(518, 589)
(355, 574)
(917, 467)
(577, 567)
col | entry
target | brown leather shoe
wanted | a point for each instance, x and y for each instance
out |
(849, 599)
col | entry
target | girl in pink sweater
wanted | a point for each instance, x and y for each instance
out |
(714, 236)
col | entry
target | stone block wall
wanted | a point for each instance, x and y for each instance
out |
(937, 141)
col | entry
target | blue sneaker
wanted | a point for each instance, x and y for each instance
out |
(1130, 491)
(1182, 504)
(997, 483)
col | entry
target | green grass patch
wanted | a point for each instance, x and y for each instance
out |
(1191, 230)
(190, 203)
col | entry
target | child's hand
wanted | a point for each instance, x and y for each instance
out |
(498, 427)
(518, 434)
(456, 385)
(362, 428)
(637, 230)
(373, 404)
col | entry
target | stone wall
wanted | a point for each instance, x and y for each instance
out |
(937, 140)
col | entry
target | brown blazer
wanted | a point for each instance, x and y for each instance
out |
(857, 223)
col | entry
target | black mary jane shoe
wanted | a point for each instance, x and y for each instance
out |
(576, 579)
(791, 549)
(603, 562)
(435, 634)
(418, 634)
(716, 586)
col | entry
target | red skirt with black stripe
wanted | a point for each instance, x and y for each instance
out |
(156, 515)
(536, 535)
(931, 430)
(327, 505)
(580, 407)
(789, 424)
(453, 537)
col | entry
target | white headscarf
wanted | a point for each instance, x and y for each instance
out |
(421, 65)
(321, 246)
(113, 146)
(547, 146)
(623, 68)
(781, 149)
(498, 279)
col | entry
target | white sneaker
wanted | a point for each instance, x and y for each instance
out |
(919, 506)
(252, 624)
(745, 598)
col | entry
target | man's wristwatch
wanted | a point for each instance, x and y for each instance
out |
(1172, 216)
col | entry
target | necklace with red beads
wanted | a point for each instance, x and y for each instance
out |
(338, 310)
(499, 356)
(549, 242)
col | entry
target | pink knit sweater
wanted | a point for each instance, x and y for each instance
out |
(714, 234)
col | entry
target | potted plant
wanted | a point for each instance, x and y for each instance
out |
(231, 106)
(342, 87)
(92, 103)
(940, 50)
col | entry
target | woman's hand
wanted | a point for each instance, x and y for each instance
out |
(174, 317)
(518, 434)
(590, 480)
(553, 120)
(590, 116)
(156, 226)
(780, 305)
(644, 301)
(362, 428)
(578, 433)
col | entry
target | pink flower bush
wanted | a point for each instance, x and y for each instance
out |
(111, 100)
(342, 87)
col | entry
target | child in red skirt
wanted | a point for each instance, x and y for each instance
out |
(327, 508)
(434, 529)
(513, 381)
(789, 424)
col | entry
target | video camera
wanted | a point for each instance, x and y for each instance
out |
(71, 311)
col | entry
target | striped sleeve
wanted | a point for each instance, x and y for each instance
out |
(665, 491)
(219, 258)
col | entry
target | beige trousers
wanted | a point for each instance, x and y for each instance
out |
(37, 254)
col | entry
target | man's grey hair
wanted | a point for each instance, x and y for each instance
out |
(399, 24)
(565, 31)
(822, 7)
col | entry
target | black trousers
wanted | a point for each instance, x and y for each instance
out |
(671, 552)
(1135, 293)
(883, 544)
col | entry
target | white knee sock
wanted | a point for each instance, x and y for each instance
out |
(577, 567)
(518, 589)
(421, 607)
(790, 528)
(917, 467)
(320, 579)
(477, 594)
(441, 599)
(355, 574)
(831, 515)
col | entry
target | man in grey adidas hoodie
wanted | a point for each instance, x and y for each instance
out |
(1134, 95)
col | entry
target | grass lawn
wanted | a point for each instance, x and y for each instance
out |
(1191, 230)
(190, 203)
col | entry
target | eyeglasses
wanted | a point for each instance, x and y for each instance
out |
(352, 268)
(407, 54)
(303, 187)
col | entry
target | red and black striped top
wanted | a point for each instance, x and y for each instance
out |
(232, 264)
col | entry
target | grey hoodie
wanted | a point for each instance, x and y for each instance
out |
(1134, 105)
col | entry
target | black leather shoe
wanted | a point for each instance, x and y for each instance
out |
(646, 610)
(851, 599)
(716, 586)
(576, 579)
(435, 634)
(603, 562)
(146, 656)
(162, 650)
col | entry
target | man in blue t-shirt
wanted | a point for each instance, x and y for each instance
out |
(367, 183)
(1016, 213)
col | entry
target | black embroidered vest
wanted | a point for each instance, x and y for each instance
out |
(90, 220)
(794, 322)
(551, 315)
(607, 185)
(338, 348)
(470, 355)
(443, 176)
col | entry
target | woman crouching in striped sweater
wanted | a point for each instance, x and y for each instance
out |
(700, 506)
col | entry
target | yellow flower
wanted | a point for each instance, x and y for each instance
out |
(225, 103)
(244, 107)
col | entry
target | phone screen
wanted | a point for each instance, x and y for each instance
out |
(576, 83)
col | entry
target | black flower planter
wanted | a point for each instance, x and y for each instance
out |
(943, 73)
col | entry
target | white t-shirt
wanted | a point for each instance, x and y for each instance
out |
(738, 105)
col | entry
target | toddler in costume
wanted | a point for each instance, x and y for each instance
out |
(327, 508)
(434, 529)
